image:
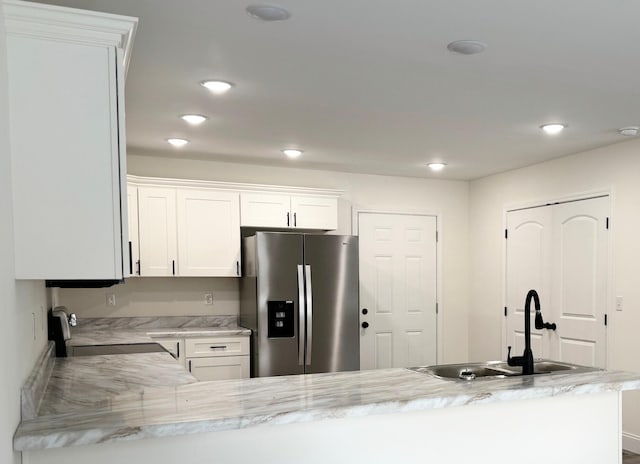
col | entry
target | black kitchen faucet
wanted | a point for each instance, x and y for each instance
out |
(526, 360)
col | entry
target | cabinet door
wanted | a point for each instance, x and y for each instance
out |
(132, 268)
(65, 155)
(265, 210)
(219, 368)
(314, 212)
(208, 233)
(157, 228)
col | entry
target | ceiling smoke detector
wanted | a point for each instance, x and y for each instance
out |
(630, 131)
(268, 13)
(467, 47)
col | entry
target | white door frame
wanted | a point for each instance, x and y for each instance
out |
(439, 295)
(586, 195)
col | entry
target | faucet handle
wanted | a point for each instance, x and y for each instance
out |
(508, 353)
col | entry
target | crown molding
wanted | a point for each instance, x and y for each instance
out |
(233, 186)
(29, 19)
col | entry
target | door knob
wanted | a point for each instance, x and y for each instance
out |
(365, 325)
(365, 310)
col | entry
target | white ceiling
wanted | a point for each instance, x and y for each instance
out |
(369, 85)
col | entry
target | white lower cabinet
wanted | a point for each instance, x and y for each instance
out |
(218, 358)
(220, 368)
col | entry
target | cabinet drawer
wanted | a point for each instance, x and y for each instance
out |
(218, 346)
(219, 368)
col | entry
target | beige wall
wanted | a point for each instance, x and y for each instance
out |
(362, 192)
(615, 168)
(22, 331)
(155, 296)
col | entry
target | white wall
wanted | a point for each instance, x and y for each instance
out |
(615, 168)
(22, 331)
(448, 198)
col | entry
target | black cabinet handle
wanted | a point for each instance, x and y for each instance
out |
(287, 219)
(130, 258)
(237, 267)
(218, 347)
(365, 311)
(294, 220)
(138, 263)
(178, 351)
(365, 324)
(173, 266)
(189, 365)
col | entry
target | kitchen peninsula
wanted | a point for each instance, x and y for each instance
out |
(388, 415)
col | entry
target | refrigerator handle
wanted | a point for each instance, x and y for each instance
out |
(309, 300)
(301, 312)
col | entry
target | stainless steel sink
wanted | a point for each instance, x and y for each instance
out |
(128, 348)
(497, 369)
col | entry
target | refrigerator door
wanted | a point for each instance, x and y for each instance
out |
(333, 342)
(279, 326)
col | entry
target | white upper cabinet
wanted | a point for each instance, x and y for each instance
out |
(66, 105)
(265, 209)
(191, 228)
(208, 233)
(158, 234)
(314, 212)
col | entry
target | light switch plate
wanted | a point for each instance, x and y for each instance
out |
(111, 299)
(619, 302)
(208, 298)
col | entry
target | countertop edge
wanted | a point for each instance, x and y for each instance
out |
(26, 441)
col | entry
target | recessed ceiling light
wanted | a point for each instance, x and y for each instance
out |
(193, 119)
(467, 47)
(178, 142)
(292, 152)
(437, 166)
(630, 131)
(553, 128)
(268, 12)
(217, 87)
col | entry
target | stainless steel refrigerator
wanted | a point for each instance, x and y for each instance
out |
(299, 296)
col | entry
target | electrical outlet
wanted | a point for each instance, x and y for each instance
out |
(208, 298)
(111, 299)
(619, 301)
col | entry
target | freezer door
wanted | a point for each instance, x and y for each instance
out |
(278, 257)
(333, 342)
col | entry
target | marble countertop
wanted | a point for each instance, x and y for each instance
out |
(236, 404)
(93, 382)
(113, 336)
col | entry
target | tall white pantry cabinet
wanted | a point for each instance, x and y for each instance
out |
(66, 71)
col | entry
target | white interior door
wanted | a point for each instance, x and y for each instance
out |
(397, 289)
(579, 284)
(528, 265)
(561, 251)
